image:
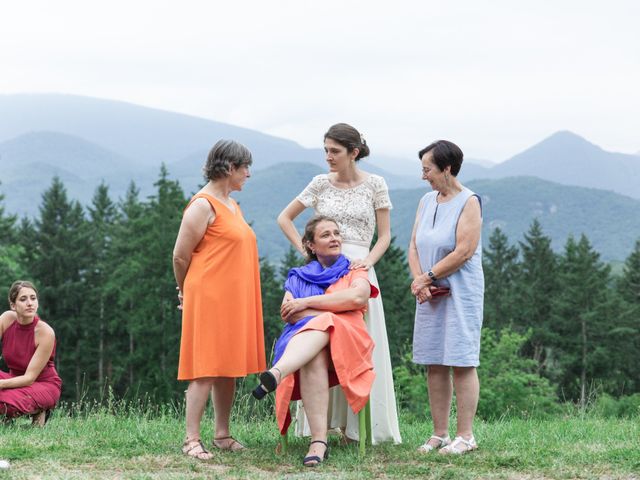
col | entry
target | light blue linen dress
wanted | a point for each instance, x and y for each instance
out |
(447, 329)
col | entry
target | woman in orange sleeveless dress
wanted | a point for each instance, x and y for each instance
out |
(216, 267)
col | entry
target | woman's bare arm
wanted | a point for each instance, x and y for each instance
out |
(467, 237)
(285, 221)
(45, 340)
(194, 224)
(353, 298)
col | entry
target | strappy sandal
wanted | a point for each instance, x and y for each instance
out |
(469, 446)
(306, 461)
(232, 446)
(268, 383)
(426, 447)
(189, 450)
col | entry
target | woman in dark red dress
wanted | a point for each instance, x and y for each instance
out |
(32, 385)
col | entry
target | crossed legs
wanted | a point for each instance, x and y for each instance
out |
(307, 352)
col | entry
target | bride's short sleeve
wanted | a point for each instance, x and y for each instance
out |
(381, 197)
(309, 196)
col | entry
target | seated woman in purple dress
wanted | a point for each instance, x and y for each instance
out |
(32, 385)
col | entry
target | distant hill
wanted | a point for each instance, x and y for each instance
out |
(510, 203)
(145, 135)
(569, 159)
(610, 221)
(85, 141)
(61, 152)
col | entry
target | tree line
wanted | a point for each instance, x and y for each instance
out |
(557, 326)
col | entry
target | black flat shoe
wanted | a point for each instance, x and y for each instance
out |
(268, 383)
(314, 458)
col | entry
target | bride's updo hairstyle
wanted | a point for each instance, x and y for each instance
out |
(348, 137)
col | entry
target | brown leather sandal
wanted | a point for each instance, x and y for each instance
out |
(189, 447)
(232, 446)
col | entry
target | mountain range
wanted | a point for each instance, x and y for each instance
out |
(85, 141)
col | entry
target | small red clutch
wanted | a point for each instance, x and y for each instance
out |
(440, 291)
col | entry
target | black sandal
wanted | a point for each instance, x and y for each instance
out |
(268, 383)
(315, 458)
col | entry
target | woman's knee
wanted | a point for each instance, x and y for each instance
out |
(319, 363)
(464, 372)
(438, 370)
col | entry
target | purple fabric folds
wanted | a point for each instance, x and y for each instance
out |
(306, 281)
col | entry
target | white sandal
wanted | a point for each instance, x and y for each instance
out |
(470, 445)
(426, 448)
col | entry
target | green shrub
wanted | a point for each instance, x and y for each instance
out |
(509, 383)
(624, 407)
(411, 386)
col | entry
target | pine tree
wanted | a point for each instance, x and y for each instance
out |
(125, 260)
(12, 255)
(582, 318)
(7, 225)
(155, 306)
(501, 270)
(627, 331)
(399, 304)
(535, 290)
(629, 284)
(291, 259)
(100, 302)
(60, 253)
(272, 293)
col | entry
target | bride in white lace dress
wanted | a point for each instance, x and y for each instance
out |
(358, 201)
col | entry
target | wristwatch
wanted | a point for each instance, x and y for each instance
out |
(432, 276)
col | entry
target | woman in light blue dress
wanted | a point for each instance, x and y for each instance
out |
(446, 253)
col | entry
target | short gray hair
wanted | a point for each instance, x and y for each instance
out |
(224, 155)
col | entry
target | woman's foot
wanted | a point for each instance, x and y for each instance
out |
(228, 443)
(268, 383)
(459, 446)
(194, 448)
(40, 419)
(318, 453)
(435, 442)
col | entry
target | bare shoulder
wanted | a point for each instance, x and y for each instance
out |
(200, 205)
(199, 210)
(472, 206)
(44, 330)
(7, 318)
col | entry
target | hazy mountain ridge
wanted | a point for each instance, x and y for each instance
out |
(85, 141)
(510, 204)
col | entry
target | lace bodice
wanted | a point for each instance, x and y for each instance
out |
(353, 208)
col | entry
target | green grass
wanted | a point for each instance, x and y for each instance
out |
(140, 446)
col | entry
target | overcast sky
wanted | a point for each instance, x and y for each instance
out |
(493, 76)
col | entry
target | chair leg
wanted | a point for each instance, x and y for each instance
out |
(284, 443)
(362, 432)
(368, 424)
